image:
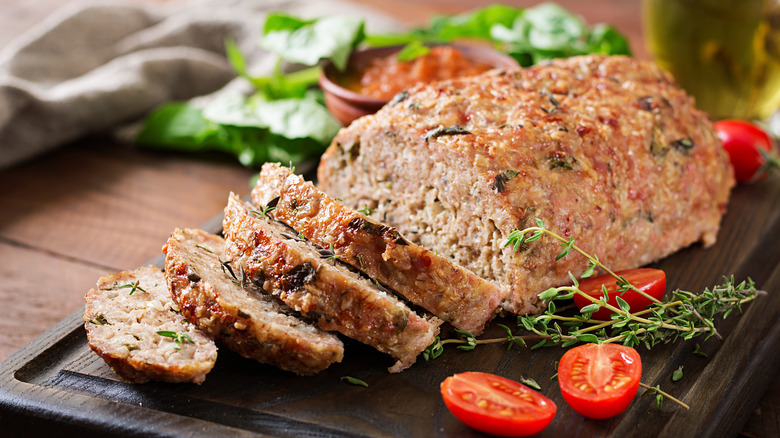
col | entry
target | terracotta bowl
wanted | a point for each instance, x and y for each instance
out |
(347, 105)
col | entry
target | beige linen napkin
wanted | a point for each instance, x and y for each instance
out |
(93, 66)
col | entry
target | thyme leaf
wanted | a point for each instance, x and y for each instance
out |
(264, 211)
(677, 375)
(531, 383)
(354, 381)
(442, 131)
(178, 338)
(100, 320)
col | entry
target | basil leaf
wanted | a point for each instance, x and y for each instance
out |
(308, 41)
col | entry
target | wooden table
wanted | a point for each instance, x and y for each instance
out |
(96, 206)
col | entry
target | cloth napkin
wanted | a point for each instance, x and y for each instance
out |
(92, 67)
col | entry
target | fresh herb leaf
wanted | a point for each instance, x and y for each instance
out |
(531, 383)
(178, 338)
(549, 31)
(354, 381)
(449, 130)
(99, 320)
(412, 51)
(308, 41)
(677, 375)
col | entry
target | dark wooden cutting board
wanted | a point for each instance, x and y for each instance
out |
(56, 385)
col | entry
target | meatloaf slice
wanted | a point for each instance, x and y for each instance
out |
(321, 287)
(134, 326)
(218, 299)
(609, 151)
(435, 283)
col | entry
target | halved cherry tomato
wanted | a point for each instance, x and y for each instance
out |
(744, 142)
(496, 405)
(599, 381)
(648, 280)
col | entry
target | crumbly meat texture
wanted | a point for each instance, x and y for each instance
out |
(123, 316)
(447, 290)
(209, 291)
(607, 150)
(323, 288)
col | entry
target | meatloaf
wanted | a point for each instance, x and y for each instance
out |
(134, 326)
(321, 287)
(447, 290)
(219, 299)
(609, 151)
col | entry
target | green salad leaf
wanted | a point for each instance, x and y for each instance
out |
(549, 31)
(308, 41)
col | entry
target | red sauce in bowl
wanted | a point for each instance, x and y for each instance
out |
(384, 77)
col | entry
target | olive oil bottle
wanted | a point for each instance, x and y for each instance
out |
(726, 53)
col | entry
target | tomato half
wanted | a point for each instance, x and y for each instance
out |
(743, 140)
(648, 280)
(496, 405)
(599, 381)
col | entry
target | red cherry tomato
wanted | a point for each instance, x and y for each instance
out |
(496, 405)
(649, 281)
(599, 381)
(743, 141)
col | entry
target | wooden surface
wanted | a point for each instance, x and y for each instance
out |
(95, 206)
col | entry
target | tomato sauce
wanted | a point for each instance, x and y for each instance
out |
(383, 78)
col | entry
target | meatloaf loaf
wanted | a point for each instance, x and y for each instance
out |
(609, 151)
(321, 287)
(445, 289)
(219, 300)
(134, 326)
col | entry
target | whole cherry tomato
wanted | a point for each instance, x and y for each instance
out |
(496, 405)
(599, 381)
(751, 150)
(649, 281)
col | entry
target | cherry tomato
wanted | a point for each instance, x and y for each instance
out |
(599, 381)
(743, 141)
(649, 281)
(496, 405)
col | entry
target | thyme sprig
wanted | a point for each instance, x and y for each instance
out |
(263, 212)
(518, 238)
(178, 338)
(134, 286)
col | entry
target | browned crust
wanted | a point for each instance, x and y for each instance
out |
(324, 290)
(244, 319)
(447, 290)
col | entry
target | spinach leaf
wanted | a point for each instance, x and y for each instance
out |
(308, 41)
(476, 24)
(549, 31)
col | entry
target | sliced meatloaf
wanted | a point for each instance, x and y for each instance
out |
(321, 287)
(218, 298)
(609, 151)
(134, 326)
(447, 290)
